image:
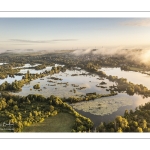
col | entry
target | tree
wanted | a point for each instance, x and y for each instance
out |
(28, 101)
(135, 124)
(139, 129)
(81, 128)
(143, 124)
(126, 114)
(54, 113)
(35, 113)
(3, 103)
(15, 108)
(131, 111)
(121, 122)
(119, 130)
(118, 119)
(101, 127)
(130, 90)
(10, 102)
(37, 86)
(78, 122)
(51, 108)
(18, 126)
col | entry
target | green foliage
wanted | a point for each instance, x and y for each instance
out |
(139, 129)
(87, 97)
(130, 88)
(17, 85)
(39, 67)
(51, 108)
(3, 103)
(6, 70)
(36, 86)
(15, 108)
(91, 67)
(25, 111)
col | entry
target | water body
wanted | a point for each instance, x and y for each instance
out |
(11, 79)
(61, 90)
(33, 71)
(131, 76)
(117, 106)
(28, 65)
(3, 63)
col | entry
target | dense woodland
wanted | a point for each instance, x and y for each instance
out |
(24, 111)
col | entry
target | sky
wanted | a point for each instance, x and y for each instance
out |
(73, 33)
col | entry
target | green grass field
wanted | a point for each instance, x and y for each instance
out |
(62, 122)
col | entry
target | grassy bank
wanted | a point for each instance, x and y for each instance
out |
(62, 122)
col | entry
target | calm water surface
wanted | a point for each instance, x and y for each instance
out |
(61, 90)
(33, 71)
(11, 79)
(133, 101)
(131, 76)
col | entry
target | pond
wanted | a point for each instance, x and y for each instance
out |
(33, 71)
(11, 79)
(131, 76)
(28, 65)
(107, 108)
(71, 80)
(3, 63)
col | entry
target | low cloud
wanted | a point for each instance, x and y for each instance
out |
(21, 44)
(41, 41)
(139, 22)
(28, 41)
(136, 54)
(59, 40)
